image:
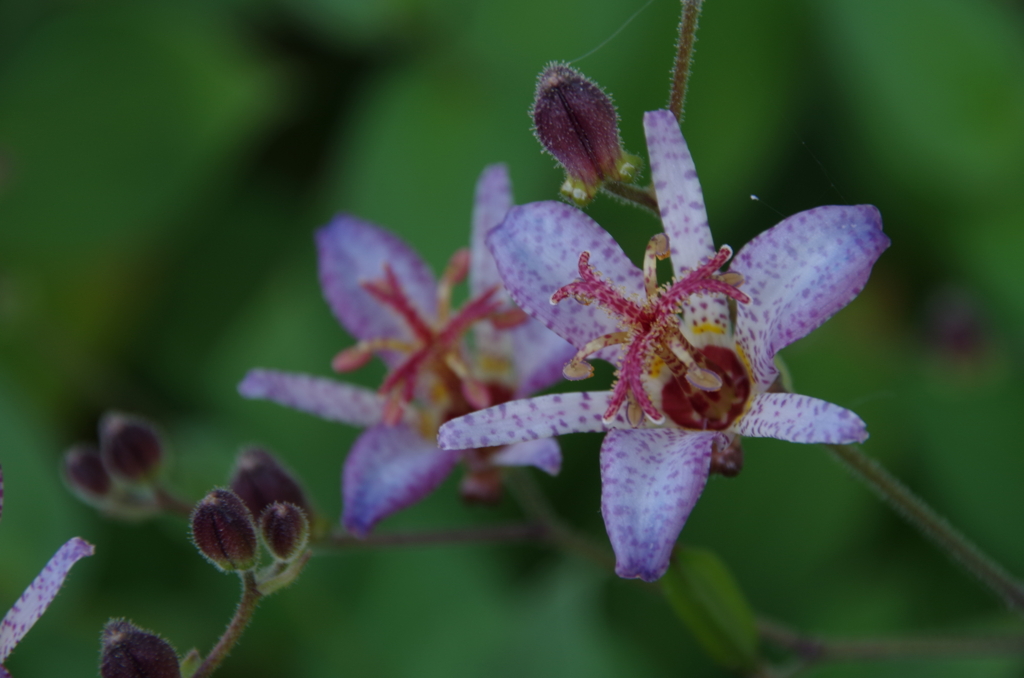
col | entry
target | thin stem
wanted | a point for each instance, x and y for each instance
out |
(934, 526)
(640, 196)
(684, 55)
(812, 649)
(172, 503)
(246, 606)
(497, 533)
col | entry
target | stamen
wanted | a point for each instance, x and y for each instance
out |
(731, 278)
(454, 273)
(507, 319)
(657, 249)
(701, 377)
(576, 370)
(475, 392)
(388, 291)
(354, 357)
(634, 415)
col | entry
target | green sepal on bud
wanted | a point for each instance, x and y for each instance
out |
(224, 531)
(130, 652)
(576, 122)
(130, 447)
(285, 530)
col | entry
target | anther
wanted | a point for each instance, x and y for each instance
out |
(702, 378)
(576, 370)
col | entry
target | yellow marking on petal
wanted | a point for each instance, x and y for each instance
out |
(708, 327)
(753, 389)
(656, 367)
(492, 364)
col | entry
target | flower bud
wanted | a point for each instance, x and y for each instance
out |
(85, 473)
(223, 530)
(260, 480)
(129, 447)
(130, 652)
(285, 530)
(576, 122)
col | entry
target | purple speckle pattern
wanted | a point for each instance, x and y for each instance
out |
(351, 251)
(492, 201)
(530, 419)
(538, 248)
(799, 273)
(324, 398)
(543, 453)
(388, 469)
(679, 194)
(650, 481)
(40, 593)
(801, 419)
(539, 355)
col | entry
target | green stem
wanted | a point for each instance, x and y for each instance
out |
(684, 55)
(246, 606)
(640, 196)
(934, 526)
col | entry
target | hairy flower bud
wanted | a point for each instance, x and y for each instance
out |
(285, 530)
(260, 480)
(223, 530)
(85, 473)
(129, 447)
(130, 652)
(576, 122)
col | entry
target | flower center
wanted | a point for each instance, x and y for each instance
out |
(434, 358)
(653, 342)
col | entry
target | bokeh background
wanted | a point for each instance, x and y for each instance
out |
(163, 165)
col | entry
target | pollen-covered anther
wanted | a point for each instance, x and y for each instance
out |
(352, 358)
(507, 319)
(702, 378)
(575, 370)
(657, 249)
(731, 278)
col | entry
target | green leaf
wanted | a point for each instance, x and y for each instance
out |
(706, 597)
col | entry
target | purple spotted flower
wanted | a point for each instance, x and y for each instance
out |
(387, 298)
(40, 593)
(695, 357)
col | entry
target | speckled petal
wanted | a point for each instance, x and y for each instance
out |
(4, 673)
(650, 481)
(799, 273)
(324, 398)
(538, 249)
(801, 419)
(40, 593)
(530, 419)
(679, 194)
(544, 453)
(388, 469)
(491, 203)
(539, 356)
(352, 251)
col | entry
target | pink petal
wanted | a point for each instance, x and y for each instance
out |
(492, 202)
(543, 453)
(40, 593)
(324, 398)
(799, 273)
(650, 481)
(520, 420)
(679, 194)
(538, 249)
(388, 469)
(539, 355)
(352, 251)
(801, 419)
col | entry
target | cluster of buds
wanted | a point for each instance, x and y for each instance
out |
(120, 477)
(130, 652)
(577, 123)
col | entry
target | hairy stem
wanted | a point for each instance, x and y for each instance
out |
(931, 524)
(496, 533)
(684, 55)
(172, 503)
(640, 196)
(246, 606)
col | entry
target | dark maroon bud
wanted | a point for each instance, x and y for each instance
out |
(84, 471)
(260, 480)
(728, 460)
(285, 530)
(129, 447)
(130, 652)
(223, 530)
(576, 122)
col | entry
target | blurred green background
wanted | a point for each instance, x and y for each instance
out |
(163, 166)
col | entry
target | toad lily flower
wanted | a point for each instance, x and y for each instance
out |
(385, 295)
(692, 376)
(40, 593)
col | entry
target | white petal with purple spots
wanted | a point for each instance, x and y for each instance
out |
(650, 481)
(799, 273)
(389, 468)
(680, 199)
(801, 419)
(40, 593)
(544, 454)
(324, 398)
(538, 248)
(492, 201)
(539, 356)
